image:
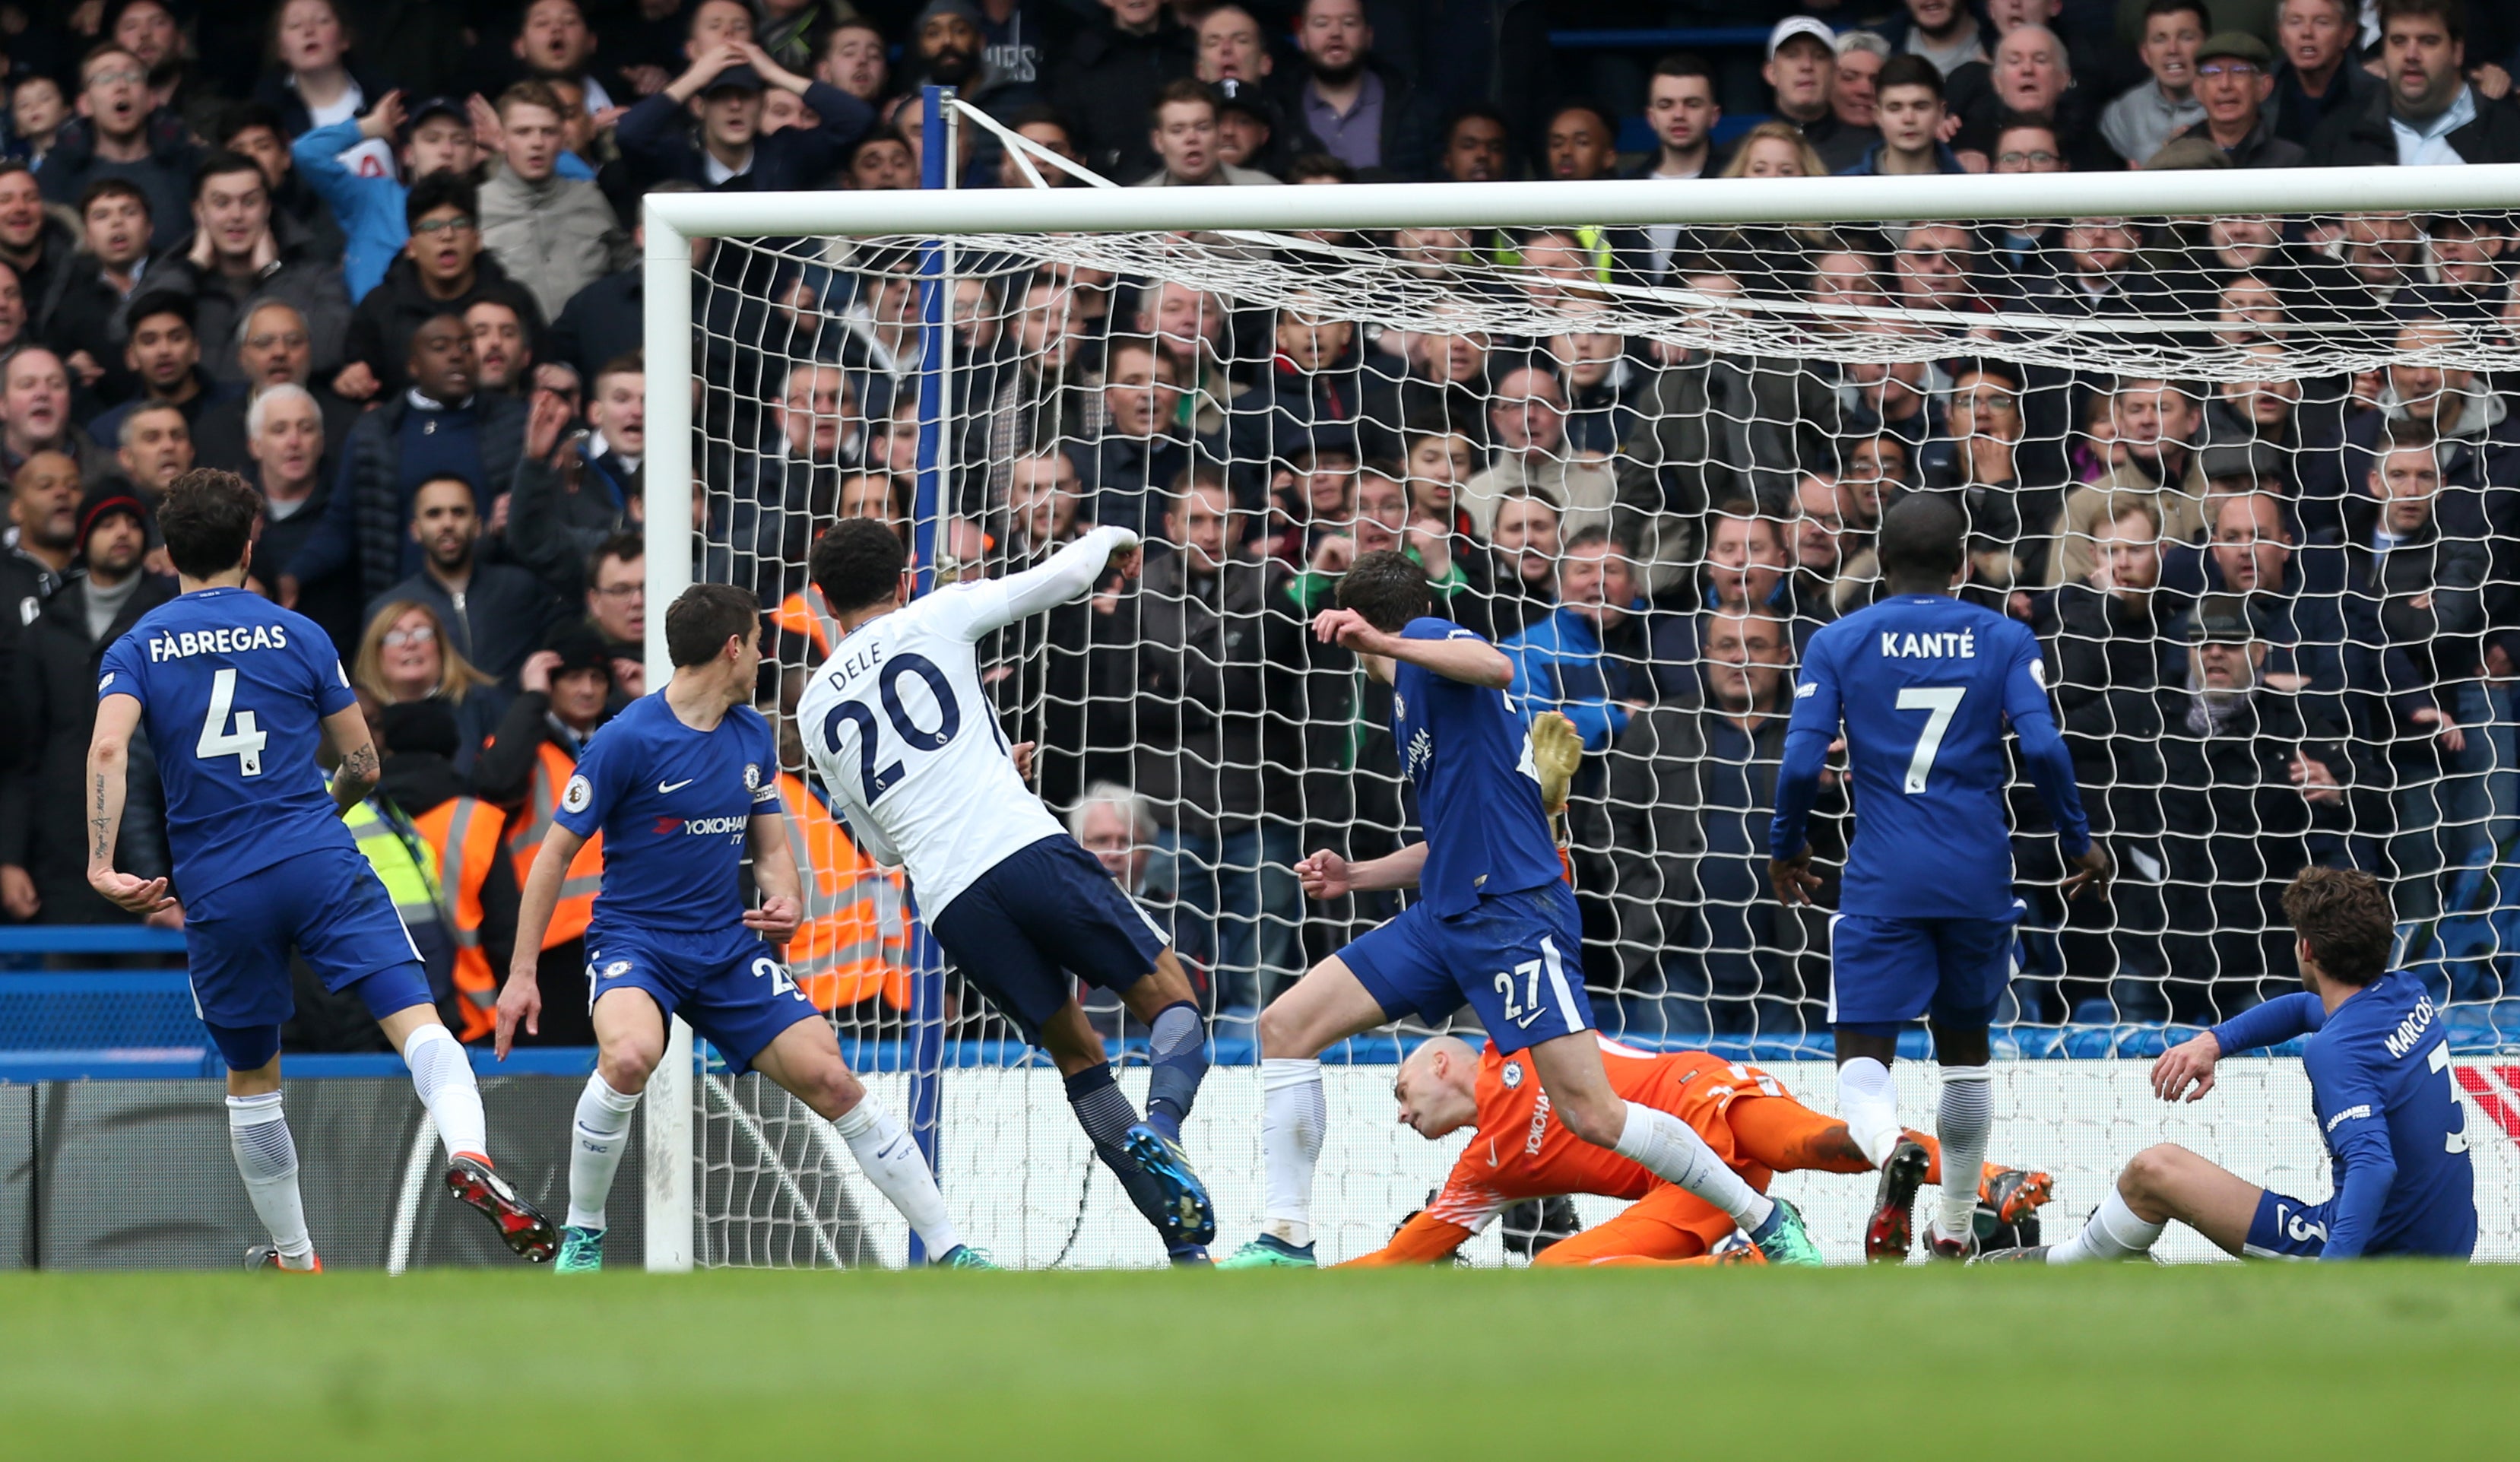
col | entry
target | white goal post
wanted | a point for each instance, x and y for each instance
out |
(1249, 218)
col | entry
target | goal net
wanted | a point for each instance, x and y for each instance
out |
(2252, 472)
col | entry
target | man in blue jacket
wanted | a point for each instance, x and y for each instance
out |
(727, 149)
(435, 136)
(1588, 658)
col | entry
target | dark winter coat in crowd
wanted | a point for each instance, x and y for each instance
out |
(53, 685)
(382, 327)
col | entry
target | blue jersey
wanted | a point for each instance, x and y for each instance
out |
(1478, 796)
(674, 804)
(233, 691)
(2380, 1085)
(1923, 685)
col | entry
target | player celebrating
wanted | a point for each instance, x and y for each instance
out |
(2379, 1065)
(1750, 1122)
(1495, 923)
(909, 747)
(679, 783)
(235, 693)
(1923, 684)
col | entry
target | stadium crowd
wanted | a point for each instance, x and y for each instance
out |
(384, 266)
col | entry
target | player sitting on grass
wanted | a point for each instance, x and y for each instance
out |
(1749, 1120)
(908, 744)
(1495, 923)
(2378, 1063)
(679, 783)
(237, 693)
(1924, 686)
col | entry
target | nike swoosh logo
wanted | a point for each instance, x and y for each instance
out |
(1525, 1023)
(674, 787)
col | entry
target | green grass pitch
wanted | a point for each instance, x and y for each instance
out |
(2299, 1362)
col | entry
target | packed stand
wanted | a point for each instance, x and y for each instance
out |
(393, 281)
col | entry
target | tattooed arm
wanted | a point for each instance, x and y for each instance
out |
(347, 730)
(109, 764)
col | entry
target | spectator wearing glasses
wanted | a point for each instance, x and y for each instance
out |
(117, 136)
(271, 347)
(2233, 81)
(2138, 123)
(2032, 81)
(435, 136)
(443, 270)
(404, 656)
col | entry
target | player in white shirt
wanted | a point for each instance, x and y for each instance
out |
(909, 748)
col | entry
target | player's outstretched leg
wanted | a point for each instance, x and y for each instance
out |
(266, 1156)
(2165, 1181)
(806, 1059)
(1176, 1043)
(1324, 1007)
(1151, 1168)
(1580, 1094)
(442, 1074)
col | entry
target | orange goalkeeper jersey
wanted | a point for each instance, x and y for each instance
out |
(1521, 1151)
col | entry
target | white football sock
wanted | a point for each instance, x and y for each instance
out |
(895, 1165)
(1293, 1115)
(1871, 1106)
(596, 1140)
(1962, 1121)
(266, 1156)
(2114, 1233)
(1671, 1150)
(442, 1074)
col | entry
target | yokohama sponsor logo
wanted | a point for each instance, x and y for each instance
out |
(2496, 1091)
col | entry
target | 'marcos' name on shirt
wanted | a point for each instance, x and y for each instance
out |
(177, 644)
(1948, 644)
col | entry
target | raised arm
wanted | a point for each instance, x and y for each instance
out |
(108, 761)
(1461, 655)
(346, 729)
(1071, 574)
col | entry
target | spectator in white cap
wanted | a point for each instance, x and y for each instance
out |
(1802, 61)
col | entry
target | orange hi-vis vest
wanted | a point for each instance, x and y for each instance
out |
(805, 615)
(465, 832)
(576, 908)
(853, 943)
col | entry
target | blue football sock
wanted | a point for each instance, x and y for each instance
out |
(1177, 1046)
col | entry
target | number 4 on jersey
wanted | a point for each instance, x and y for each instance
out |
(245, 743)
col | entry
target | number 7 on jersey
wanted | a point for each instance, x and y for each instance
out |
(1941, 702)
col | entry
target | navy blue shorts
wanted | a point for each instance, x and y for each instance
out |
(327, 905)
(1042, 914)
(729, 987)
(1888, 972)
(2286, 1227)
(1508, 958)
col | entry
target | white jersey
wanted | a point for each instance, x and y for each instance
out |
(908, 746)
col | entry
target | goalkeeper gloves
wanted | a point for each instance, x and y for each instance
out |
(1557, 749)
